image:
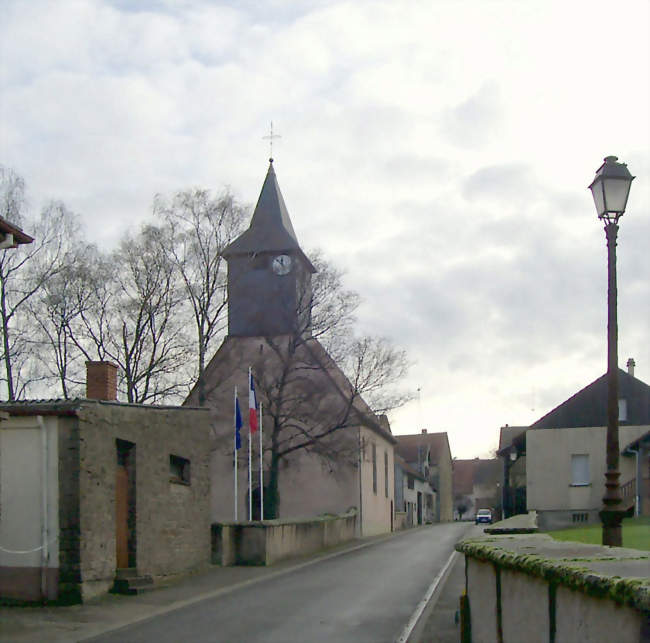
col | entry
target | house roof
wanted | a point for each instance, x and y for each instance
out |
(410, 452)
(633, 446)
(270, 229)
(6, 227)
(507, 434)
(588, 407)
(463, 477)
(438, 444)
(467, 473)
(488, 471)
(408, 468)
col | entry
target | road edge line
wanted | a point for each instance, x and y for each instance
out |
(423, 604)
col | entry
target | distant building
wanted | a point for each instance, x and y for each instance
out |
(512, 451)
(415, 500)
(429, 454)
(477, 485)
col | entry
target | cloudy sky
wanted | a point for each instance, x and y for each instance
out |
(439, 151)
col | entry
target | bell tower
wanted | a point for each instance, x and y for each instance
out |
(269, 276)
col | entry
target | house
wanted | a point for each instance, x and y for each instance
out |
(324, 450)
(415, 500)
(97, 494)
(639, 486)
(565, 452)
(11, 236)
(429, 454)
(477, 485)
(512, 451)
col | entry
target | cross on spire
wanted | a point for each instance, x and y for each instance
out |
(270, 138)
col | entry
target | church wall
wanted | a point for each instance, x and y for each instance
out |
(312, 486)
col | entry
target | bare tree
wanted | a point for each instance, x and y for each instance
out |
(146, 337)
(309, 402)
(23, 272)
(59, 311)
(197, 229)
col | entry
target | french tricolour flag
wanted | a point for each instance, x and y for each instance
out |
(252, 403)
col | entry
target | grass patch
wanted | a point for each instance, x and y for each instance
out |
(636, 533)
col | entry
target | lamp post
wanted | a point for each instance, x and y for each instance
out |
(610, 189)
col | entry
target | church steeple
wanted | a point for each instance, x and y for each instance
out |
(269, 276)
(270, 227)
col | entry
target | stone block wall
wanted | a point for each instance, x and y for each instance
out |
(172, 525)
(69, 519)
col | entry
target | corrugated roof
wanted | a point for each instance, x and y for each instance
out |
(57, 406)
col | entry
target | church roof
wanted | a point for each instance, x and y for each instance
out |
(270, 229)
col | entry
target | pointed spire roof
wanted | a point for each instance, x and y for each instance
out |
(270, 229)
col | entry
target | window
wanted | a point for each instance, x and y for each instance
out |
(580, 470)
(580, 517)
(386, 473)
(622, 410)
(374, 468)
(410, 482)
(179, 470)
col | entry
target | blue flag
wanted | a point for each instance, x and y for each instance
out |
(238, 424)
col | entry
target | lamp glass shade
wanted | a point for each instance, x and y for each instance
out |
(616, 191)
(610, 188)
(599, 198)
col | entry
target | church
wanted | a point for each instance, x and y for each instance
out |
(324, 450)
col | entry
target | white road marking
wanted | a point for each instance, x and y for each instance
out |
(415, 617)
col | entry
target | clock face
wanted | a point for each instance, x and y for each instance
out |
(281, 264)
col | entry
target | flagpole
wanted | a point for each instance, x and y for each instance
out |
(261, 465)
(250, 459)
(250, 477)
(235, 449)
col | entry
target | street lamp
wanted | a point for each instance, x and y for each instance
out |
(610, 189)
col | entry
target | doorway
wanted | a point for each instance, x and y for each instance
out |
(125, 514)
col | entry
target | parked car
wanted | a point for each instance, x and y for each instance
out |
(483, 515)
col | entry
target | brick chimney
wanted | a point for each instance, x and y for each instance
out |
(101, 381)
(630, 366)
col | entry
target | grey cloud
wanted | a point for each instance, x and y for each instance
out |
(476, 120)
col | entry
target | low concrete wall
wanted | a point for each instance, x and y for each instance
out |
(266, 542)
(533, 588)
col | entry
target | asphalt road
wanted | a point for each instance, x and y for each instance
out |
(364, 595)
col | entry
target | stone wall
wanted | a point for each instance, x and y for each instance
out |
(172, 526)
(532, 588)
(267, 542)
